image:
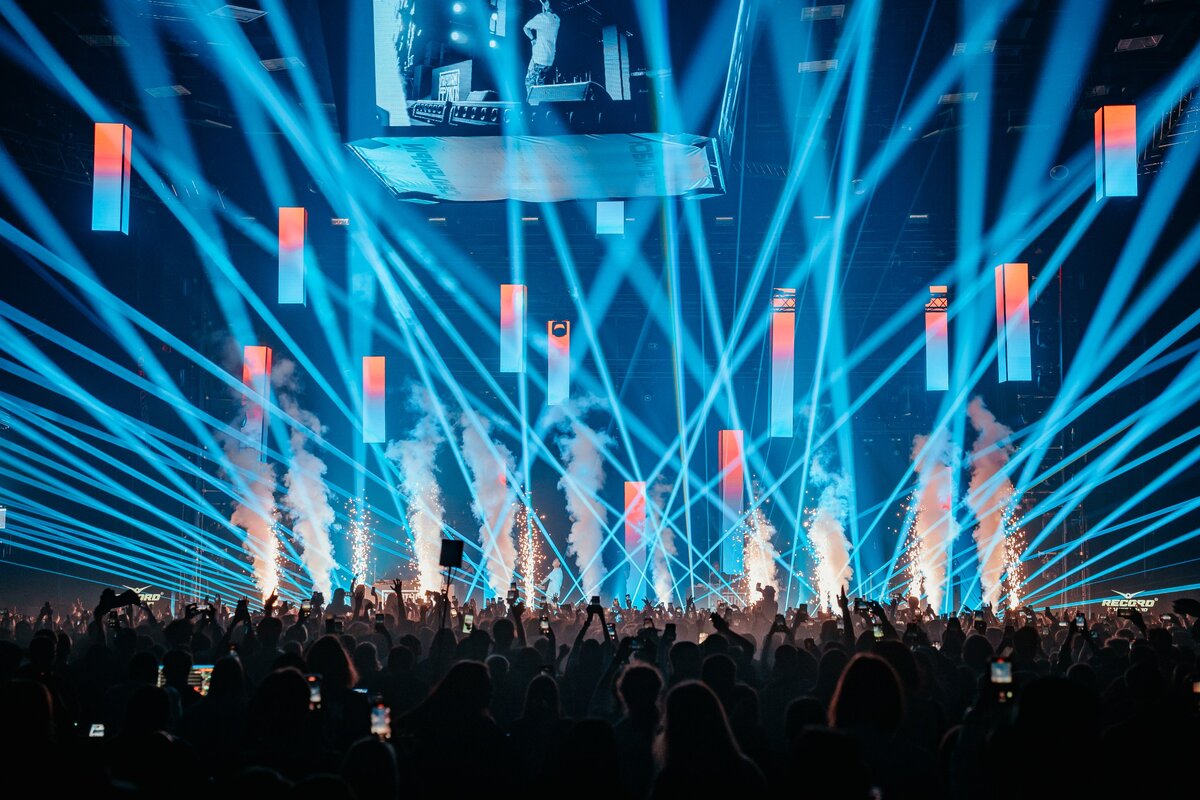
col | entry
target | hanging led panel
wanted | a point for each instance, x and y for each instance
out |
(256, 375)
(937, 340)
(783, 360)
(512, 327)
(1116, 151)
(374, 399)
(293, 228)
(558, 362)
(1013, 346)
(110, 177)
(729, 453)
(635, 529)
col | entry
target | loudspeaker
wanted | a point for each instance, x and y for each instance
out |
(583, 91)
(452, 553)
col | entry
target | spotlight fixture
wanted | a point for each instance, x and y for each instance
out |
(456, 36)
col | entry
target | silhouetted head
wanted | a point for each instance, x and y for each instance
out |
(639, 687)
(370, 769)
(541, 699)
(466, 689)
(685, 660)
(720, 673)
(977, 652)
(228, 680)
(328, 659)
(175, 666)
(868, 696)
(143, 668)
(149, 710)
(695, 729)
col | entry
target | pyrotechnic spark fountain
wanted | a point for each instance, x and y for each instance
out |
(664, 544)
(359, 532)
(1014, 571)
(529, 555)
(760, 554)
(934, 526)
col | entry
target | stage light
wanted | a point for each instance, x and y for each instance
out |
(937, 340)
(558, 362)
(455, 36)
(110, 177)
(729, 453)
(512, 327)
(492, 44)
(293, 230)
(635, 548)
(783, 360)
(3, 518)
(1014, 354)
(1116, 151)
(256, 375)
(458, 8)
(374, 424)
(610, 218)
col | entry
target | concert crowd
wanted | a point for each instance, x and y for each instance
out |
(381, 694)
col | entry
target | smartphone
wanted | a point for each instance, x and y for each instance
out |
(647, 623)
(381, 720)
(628, 601)
(980, 617)
(1165, 619)
(380, 620)
(595, 599)
(860, 606)
(338, 626)
(314, 690)
(635, 644)
(113, 620)
(468, 623)
(512, 594)
(1122, 613)
(1062, 623)
(360, 690)
(1001, 670)
(1196, 688)
(199, 677)
(1081, 620)
(701, 637)
(544, 626)
(96, 731)
(306, 606)
(877, 630)
(612, 630)
(669, 629)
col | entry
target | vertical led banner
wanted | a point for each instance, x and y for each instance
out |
(512, 327)
(1116, 151)
(783, 360)
(374, 399)
(729, 453)
(558, 362)
(110, 177)
(1013, 347)
(635, 544)
(293, 230)
(937, 340)
(256, 375)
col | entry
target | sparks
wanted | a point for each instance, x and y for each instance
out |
(360, 538)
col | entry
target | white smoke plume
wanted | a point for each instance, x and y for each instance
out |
(664, 544)
(827, 534)
(416, 460)
(934, 527)
(582, 453)
(489, 463)
(254, 483)
(253, 511)
(307, 499)
(989, 499)
(760, 553)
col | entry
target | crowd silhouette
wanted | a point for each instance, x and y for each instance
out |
(380, 695)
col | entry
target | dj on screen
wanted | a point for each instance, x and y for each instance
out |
(542, 31)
